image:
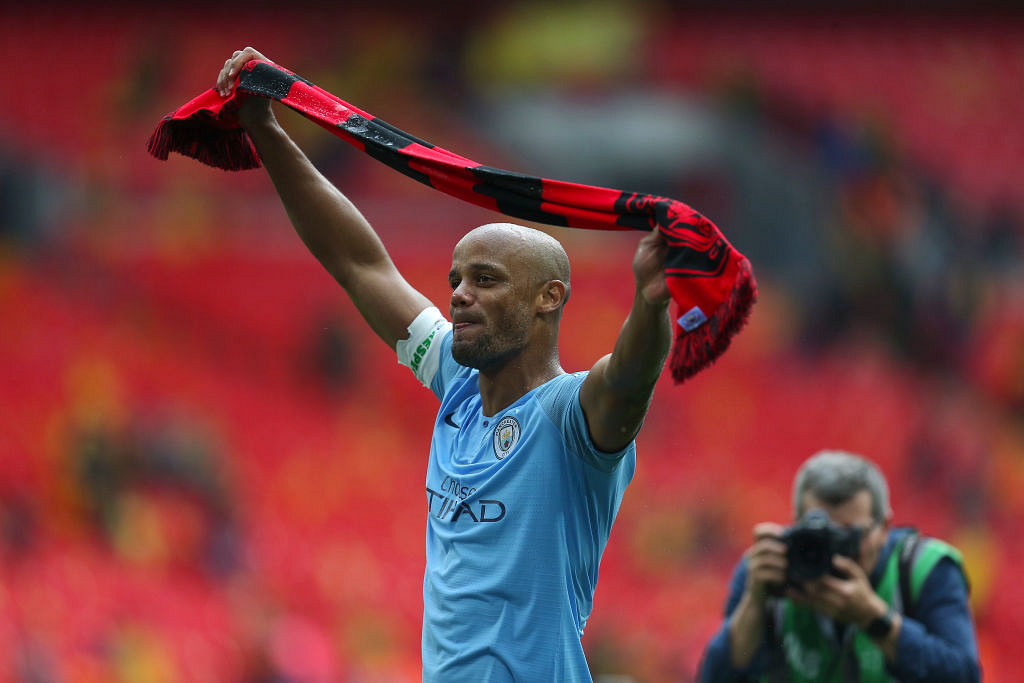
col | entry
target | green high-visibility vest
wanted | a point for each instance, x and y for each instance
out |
(811, 651)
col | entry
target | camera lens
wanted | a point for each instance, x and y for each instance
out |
(809, 547)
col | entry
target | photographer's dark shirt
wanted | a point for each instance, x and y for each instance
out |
(938, 644)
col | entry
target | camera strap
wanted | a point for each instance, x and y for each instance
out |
(776, 668)
(918, 555)
(909, 551)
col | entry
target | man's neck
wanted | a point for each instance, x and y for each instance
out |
(503, 386)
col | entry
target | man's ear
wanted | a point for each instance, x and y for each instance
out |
(887, 524)
(552, 296)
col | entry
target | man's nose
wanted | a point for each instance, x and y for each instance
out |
(460, 297)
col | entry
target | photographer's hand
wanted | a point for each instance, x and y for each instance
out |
(849, 599)
(766, 561)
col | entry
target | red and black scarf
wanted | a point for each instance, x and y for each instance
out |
(711, 282)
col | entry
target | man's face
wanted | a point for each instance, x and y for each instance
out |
(856, 512)
(490, 304)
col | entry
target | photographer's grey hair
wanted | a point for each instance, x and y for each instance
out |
(835, 477)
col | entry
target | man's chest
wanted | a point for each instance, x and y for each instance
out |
(484, 468)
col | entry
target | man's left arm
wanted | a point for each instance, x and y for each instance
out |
(938, 644)
(617, 392)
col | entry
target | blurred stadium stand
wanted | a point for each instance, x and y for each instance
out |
(210, 472)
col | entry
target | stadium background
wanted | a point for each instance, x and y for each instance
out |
(210, 472)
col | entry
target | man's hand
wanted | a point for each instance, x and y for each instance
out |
(255, 110)
(851, 600)
(649, 268)
(766, 561)
(232, 65)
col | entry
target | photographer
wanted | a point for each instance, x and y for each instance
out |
(842, 596)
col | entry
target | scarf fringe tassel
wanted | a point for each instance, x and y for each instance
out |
(200, 138)
(696, 350)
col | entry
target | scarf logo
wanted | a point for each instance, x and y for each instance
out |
(506, 436)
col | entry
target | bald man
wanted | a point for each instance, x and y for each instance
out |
(528, 463)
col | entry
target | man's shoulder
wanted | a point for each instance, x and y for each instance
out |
(912, 543)
(460, 384)
(554, 395)
(561, 381)
(453, 376)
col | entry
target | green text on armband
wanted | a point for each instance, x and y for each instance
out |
(421, 351)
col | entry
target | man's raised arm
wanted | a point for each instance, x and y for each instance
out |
(617, 392)
(329, 224)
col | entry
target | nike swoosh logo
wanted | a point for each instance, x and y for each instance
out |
(448, 420)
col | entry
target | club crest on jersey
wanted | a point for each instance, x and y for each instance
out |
(506, 436)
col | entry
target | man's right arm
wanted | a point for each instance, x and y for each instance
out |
(766, 566)
(717, 664)
(734, 648)
(329, 224)
(746, 629)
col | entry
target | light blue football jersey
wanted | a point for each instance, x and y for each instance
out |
(520, 505)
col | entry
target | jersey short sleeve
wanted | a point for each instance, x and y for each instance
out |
(561, 401)
(448, 369)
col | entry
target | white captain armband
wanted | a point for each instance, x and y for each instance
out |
(421, 352)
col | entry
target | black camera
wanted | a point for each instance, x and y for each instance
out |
(811, 543)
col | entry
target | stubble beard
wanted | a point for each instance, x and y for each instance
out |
(493, 348)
